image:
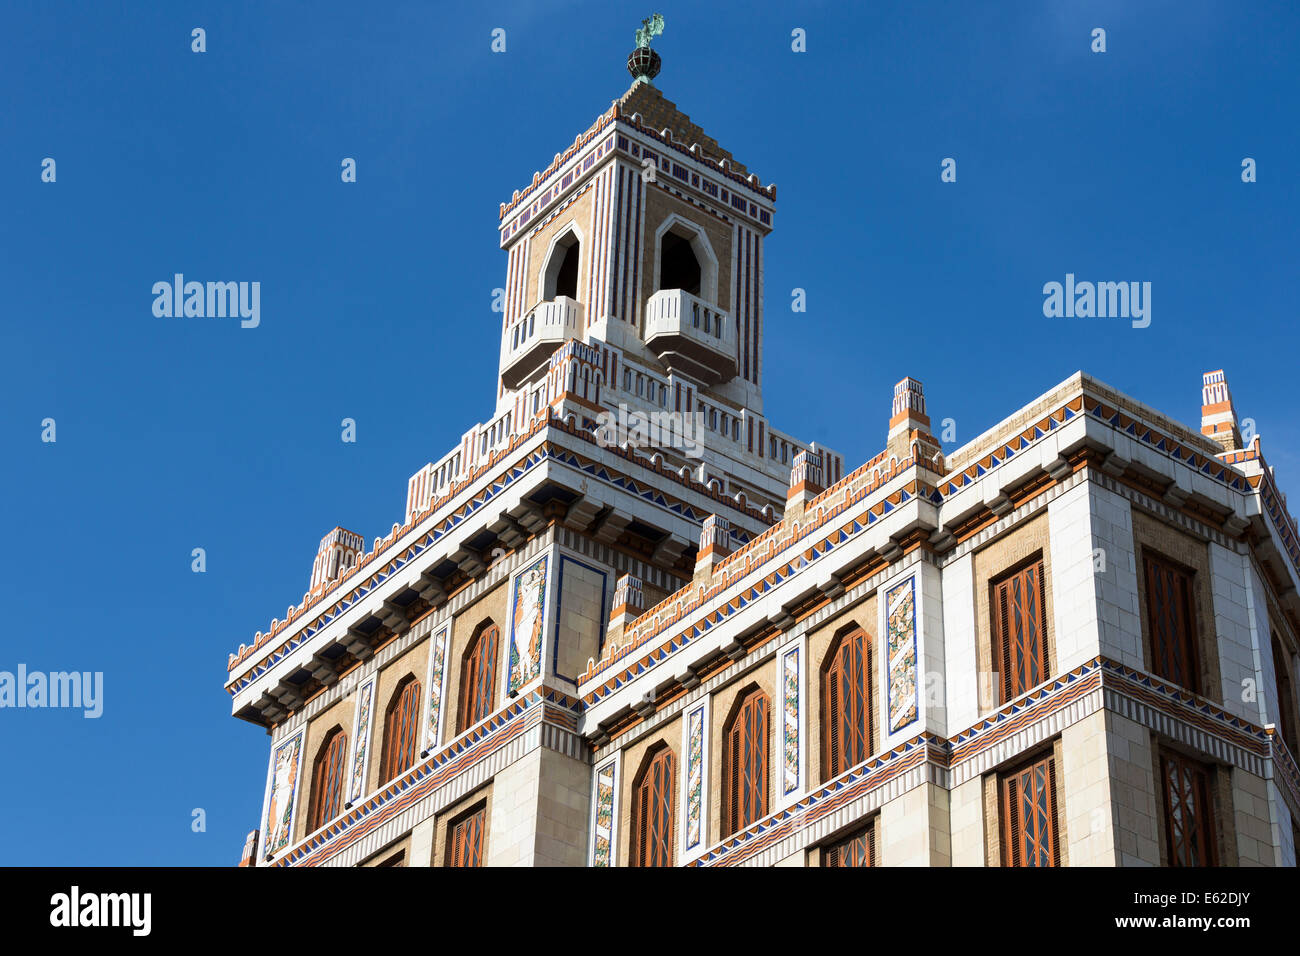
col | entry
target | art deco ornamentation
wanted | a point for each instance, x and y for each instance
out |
(901, 604)
(604, 816)
(437, 657)
(365, 700)
(790, 731)
(528, 619)
(694, 777)
(284, 786)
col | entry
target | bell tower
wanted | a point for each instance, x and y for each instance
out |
(643, 240)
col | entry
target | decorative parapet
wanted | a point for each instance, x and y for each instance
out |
(368, 564)
(1074, 398)
(701, 598)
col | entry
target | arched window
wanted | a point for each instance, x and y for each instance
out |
(560, 276)
(1285, 695)
(327, 779)
(846, 703)
(400, 722)
(652, 809)
(744, 762)
(478, 676)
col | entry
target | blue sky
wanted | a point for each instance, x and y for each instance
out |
(179, 433)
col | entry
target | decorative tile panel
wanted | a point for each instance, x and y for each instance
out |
(694, 777)
(437, 659)
(790, 722)
(285, 768)
(527, 623)
(361, 736)
(900, 602)
(603, 844)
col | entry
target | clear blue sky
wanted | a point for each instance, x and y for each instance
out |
(174, 434)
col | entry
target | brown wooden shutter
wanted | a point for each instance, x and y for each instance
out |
(478, 678)
(1052, 805)
(455, 844)
(398, 753)
(1171, 621)
(1191, 837)
(1011, 822)
(758, 806)
(465, 839)
(834, 708)
(871, 703)
(327, 780)
(1002, 641)
(1042, 622)
(643, 806)
(744, 767)
(733, 777)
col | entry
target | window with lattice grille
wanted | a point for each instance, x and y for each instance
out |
(744, 763)
(846, 704)
(465, 837)
(1172, 623)
(1030, 835)
(857, 849)
(327, 779)
(652, 809)
(400, 722)
(1188, 811)
(1019, 612)
(478, 677)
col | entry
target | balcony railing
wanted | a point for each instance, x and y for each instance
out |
(687, 332)
(530, 341)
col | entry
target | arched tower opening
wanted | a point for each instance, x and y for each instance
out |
(560, 276)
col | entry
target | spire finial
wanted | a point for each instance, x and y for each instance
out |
(643, 63)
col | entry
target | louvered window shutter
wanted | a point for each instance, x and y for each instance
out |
(1002, 641)
(758, 806)
(479, 681)
(733, 781)
(834, 717)
(1172, 623)
(1011, 811)
(1041, 623)
(645, 799)
(458, 846)
(1055, 842)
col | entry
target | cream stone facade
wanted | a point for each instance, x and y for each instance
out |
(583, 648)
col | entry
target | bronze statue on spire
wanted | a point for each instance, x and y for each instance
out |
(643, 63)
